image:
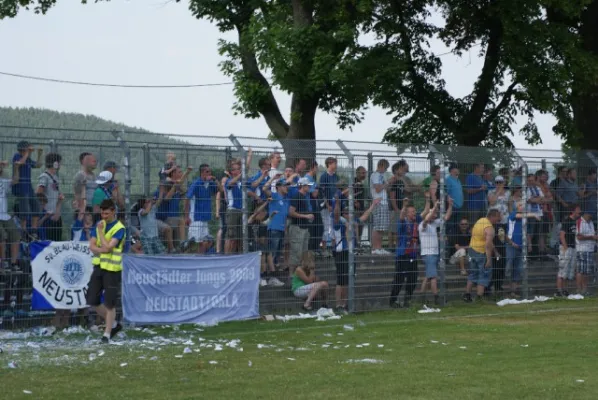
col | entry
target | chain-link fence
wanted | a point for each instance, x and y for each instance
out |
(353, 225)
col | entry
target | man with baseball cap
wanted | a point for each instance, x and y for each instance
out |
(301, 216)
(106, 189)
(23, 191)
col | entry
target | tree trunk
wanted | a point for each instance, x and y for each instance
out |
(585, 104)
(300, 139)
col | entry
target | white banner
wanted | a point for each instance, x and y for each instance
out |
(61, 272)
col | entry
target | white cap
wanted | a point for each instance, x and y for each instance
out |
(304, 182)
(499, 178)
(104, 177)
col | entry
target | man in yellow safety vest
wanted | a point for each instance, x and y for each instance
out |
(107, 243)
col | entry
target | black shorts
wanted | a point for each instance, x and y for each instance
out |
(107, 281)
(341, 262)
(545, 225)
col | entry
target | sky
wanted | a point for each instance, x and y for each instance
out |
(156, 42)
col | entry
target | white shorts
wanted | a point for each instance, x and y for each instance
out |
(198, 230)
(303, 291)
(458, 254)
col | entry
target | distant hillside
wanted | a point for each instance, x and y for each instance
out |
(69, 126)
(75, 133)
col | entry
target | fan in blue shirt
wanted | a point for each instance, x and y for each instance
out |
(82, 227)
(201, 191)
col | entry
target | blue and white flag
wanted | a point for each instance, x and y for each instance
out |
(60, 272)
(190, 289)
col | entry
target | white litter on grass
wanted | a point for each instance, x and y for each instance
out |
(365, 361)
(359, 346)
(575, 297)
(123, 364)
(33, 345)
(434, 341)
(365, 344)
(463, 347)
(101, 353)
(340, 334)
(262, 346)
(187, 350)
(508, 302)
(141, 357)
(328, 334)
(74, 330)
(213, 362)
(427, 310)
(325, 346)
(154, 358)
(290, 359)
(579, 381)
(323, 314)
(30, 392)
(525, 345)
(13, 365)
(348, 327)
(233, 344)
(250, 363)
(92, 356)
(178, 356)
(189, 343)
(380, 346)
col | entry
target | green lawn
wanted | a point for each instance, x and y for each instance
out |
(537, 351)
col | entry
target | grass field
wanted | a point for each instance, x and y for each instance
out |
(537, 351)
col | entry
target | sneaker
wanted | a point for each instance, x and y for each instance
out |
(275, 282)
(558, 294)
(340, 310)
(467, 298)
(263, 282)
(115, 330)
(104, 340)
(394, 304)
(565, 293)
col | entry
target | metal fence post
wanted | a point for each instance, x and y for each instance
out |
(127, 164)
(228, 155)
(53, 146)
(594, 160)
(525, 282)
(146, 169)
(241, 150)
(435, 154)
(351, 233)
(370, 171)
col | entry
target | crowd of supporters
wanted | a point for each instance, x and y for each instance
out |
(297, 214)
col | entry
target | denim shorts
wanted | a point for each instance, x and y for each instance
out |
(275, 242)
(431, 262)
(514, 263)
(478, 273)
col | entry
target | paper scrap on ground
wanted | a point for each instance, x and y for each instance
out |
(213, 362)
(123, 364)
(348, 327)
(323, 314)
(580, 381)
(508, 302)
(575, 297)
(427, 310)
(525, 345)
(27, 391)
(365, 361)
(250, 363)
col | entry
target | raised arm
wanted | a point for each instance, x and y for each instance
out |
(367, 212)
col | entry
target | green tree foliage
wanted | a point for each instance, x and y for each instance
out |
(298, 47)
(578, 122)
(523, 69)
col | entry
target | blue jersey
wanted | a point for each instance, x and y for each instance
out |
(408, 237)
(201, 193)
(78, 234)
(280, 204)
(515, 231)
(23, 187)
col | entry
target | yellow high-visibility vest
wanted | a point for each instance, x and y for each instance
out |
(110, 261)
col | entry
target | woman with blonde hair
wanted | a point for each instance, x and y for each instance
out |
(305, 284)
